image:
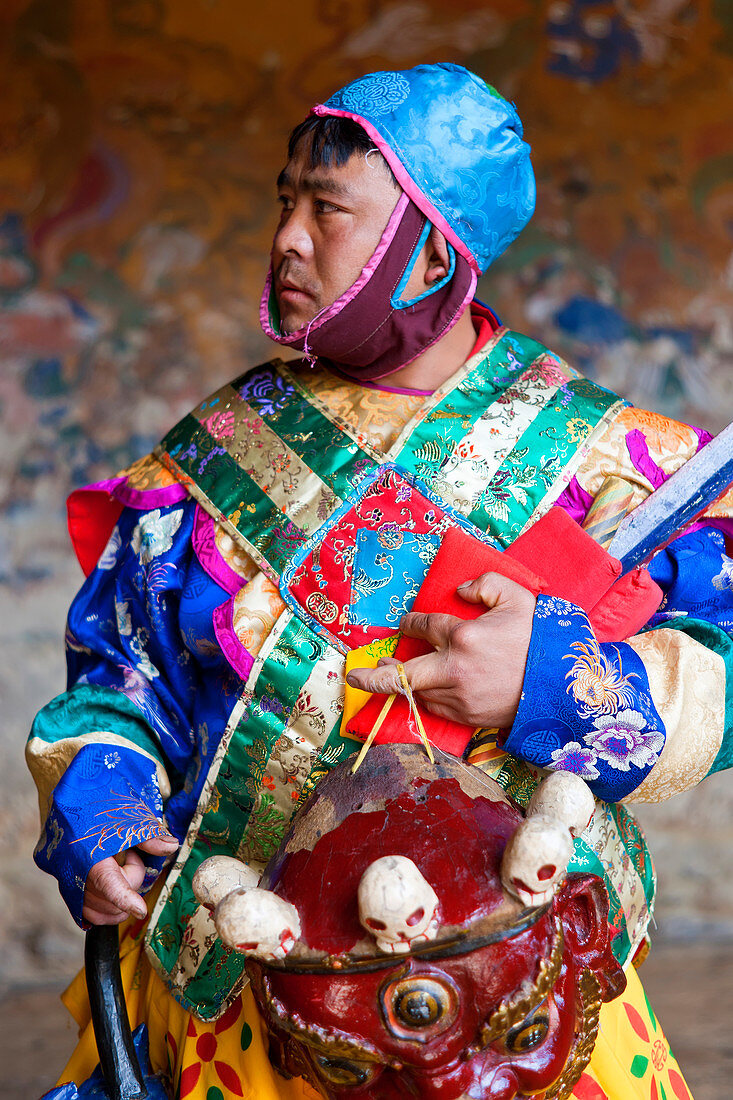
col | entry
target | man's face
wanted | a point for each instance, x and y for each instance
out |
(331, 222)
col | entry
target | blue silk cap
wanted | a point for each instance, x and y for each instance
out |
(455, 146)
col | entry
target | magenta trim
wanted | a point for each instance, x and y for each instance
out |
(642, 461)
(348, 295)
(405, 180)
(265, 308)
(236, 654)
(209, 556)
(575, 501)
(151, 498)
(141, 499)
(722, 524)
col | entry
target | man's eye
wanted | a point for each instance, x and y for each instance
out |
(285, 202)
(531, 1033)
(344, 1072)
(324, 207)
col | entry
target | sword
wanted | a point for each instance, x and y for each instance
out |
(676, 504)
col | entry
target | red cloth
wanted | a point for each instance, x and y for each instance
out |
(91, 515)
(485, 324)
(572, 565)
(627, 605)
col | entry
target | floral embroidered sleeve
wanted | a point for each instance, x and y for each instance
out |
(649, 717)
(136, 724)
(585, 707)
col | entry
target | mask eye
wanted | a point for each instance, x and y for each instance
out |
(531, 1033)
(344, 1072)
(418, 1006)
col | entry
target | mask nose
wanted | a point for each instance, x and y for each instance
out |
(499, 1083)
(504, 1086)
(496, 1083)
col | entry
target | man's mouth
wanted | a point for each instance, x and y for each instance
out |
(291, 292)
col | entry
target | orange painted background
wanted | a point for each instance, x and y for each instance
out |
(139, 142)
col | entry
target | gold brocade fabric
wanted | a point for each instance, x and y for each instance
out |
(670, 444)
(148, 473)
(257, 608)
(375, 416)
(687, 683)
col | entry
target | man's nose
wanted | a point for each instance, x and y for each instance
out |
(293, 237)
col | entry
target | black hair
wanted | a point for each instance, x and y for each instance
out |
(333, 140)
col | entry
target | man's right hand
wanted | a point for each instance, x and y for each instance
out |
(111, 894)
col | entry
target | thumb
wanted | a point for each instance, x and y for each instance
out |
(112, 883)
(490, 589)
(165, 844)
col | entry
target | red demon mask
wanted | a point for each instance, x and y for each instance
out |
(403, 966)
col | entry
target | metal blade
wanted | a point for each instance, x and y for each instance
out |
(677, 503)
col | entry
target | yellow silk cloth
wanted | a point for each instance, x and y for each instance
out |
(228, 1057)
(207, 1061)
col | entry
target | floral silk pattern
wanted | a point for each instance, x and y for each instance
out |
(594, 715)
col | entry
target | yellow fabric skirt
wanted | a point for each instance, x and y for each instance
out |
(228, 1057)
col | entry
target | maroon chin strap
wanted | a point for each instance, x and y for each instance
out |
(363, 335)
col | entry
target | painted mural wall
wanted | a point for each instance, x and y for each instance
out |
(139, 141)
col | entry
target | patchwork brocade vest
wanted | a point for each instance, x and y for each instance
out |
(268, 460)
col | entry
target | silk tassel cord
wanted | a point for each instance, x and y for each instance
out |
(407, 691)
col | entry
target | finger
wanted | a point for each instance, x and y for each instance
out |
(432, 697)
(434, 628)
(488, 589)
(381, 680)
(429, 672)
(162, 845)
(133, 869)
(441, 708)
(424, 672)
(95, 916)
(108, 880)
(100, 905)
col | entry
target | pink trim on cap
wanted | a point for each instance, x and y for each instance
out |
(238, 656)
(348, 295)
(405, 180)
(209, 555)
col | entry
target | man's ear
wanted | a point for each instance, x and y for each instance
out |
(582, 905)
(438, 258)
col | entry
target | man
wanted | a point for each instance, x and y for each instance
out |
(199, 681)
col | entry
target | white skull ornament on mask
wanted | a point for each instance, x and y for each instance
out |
(565, 797)
(257, 922)
(397, 905)
(217, 876)
(535, 859)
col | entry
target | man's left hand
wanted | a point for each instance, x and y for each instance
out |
(476, 673)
